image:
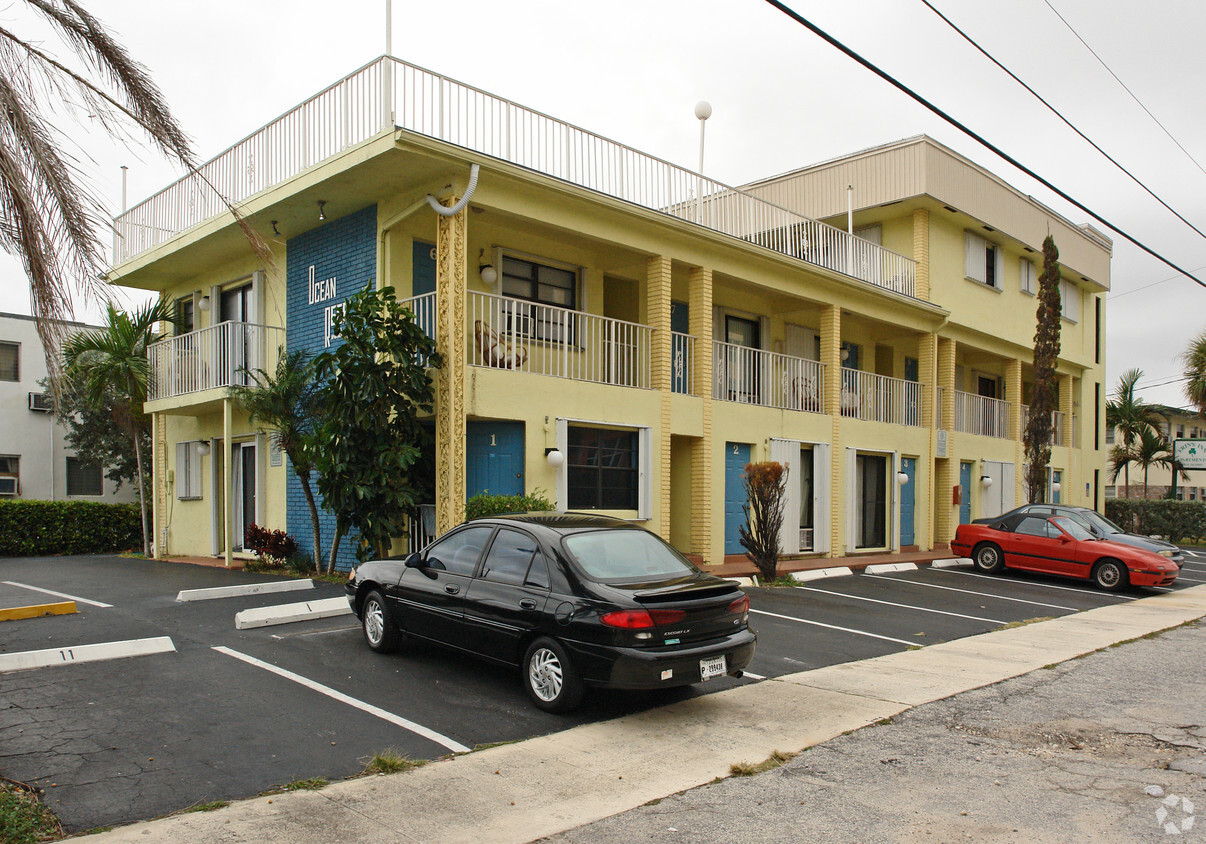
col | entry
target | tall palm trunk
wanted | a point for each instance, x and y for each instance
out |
(334, 550)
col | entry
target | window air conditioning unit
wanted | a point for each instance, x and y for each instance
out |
(8, 485)
(40, 402)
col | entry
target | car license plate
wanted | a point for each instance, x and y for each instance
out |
(712, 666)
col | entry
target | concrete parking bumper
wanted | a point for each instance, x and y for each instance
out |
(520, 792)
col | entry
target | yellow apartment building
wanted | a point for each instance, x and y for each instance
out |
(620, 332)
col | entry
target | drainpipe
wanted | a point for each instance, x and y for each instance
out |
(415, 206)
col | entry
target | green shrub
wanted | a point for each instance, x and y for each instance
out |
(1177, 520)
(40, 528)
(486, 504)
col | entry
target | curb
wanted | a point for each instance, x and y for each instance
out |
(37, 611)
(820, 574)
(950, 564)
(885, 568)
(246, 589)
(288, 613)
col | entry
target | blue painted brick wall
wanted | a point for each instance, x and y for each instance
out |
(345, 250)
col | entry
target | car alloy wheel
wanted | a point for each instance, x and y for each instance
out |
(988, 558)
(1109, 575)
(550, 678)
(380, 634)
(544, 673)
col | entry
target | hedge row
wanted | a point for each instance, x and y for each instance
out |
(39, 528)
(484, 504)
(1177, 520)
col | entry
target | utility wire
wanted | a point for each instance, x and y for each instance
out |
(1123, 84)
(1056, 112)
(891, 80)
(1112, 296)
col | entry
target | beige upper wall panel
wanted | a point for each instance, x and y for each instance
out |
(921, 166)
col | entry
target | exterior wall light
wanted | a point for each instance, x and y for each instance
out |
(322, 210)
(203, 305)
(902, 478)
(986, 481)
(1055, 487)
(203, 449)
(488, 273)
(555, 457)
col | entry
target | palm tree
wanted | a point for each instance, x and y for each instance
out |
(112, 361)
(1131, 416)
(1149, 449)
(47, 216)
(1194, 359)
(286, 402)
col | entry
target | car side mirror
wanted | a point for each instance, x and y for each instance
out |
(414, 561)
(1063, 537)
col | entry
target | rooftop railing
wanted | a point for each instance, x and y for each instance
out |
(389, 92)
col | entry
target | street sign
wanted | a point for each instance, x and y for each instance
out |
(1191, 454)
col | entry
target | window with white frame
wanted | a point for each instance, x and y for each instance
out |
(982, 260)
(1028, 275)
(188, 470)
(84, 477)
(602, 468)
(542, 283)
(1111, 491)
(10, 474)
(10, 358)
(1069, 301)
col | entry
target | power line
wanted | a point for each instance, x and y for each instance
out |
(1161, 383)
(1066, 121)
(1112, 296)
(1124, 86)
(895, 83)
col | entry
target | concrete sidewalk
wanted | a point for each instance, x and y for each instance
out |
(520, 792)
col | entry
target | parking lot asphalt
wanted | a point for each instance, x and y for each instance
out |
(115, 741)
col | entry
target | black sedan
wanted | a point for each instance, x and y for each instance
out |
(1096, 524)
(574, 600)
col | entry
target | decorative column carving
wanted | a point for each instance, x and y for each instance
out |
(450, 452)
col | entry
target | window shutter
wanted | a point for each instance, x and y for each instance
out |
(973, 257)
(194, 472)
(1026, 272)
(182, 470)
(999, 258)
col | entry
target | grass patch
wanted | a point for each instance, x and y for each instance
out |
(24, 819)
(775, 760)
(1024, 622)
(783, 581)
(491, 744)
(207, 807)
(311, 784)
(390, 761)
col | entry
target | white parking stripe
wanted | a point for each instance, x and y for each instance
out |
(98, 652)
(75, 598)
(1046, 585)
(1183, 579)
(397, 720)
(903, 606)
(970, 592)
(835, 627)
(752, 675)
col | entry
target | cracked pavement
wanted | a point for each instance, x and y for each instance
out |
(1061, 754)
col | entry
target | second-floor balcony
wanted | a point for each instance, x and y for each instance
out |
(1057, 425)
(219, 356)
(768, 379)
(879, 398)
(982, 415)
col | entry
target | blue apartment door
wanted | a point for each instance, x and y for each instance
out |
(736, 455)
(965, 493)
(494, 458)
(423, 269)
(908, 497)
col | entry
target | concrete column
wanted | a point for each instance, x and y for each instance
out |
(705, 541)
(450, 453)
(831, 356)
(1065, 407)
(159, 487)
(927, 361)
(944, 467)
(946, 380)
(657, 316)
(228, 480)
(921, 251)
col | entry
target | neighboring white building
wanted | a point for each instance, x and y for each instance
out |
(35, 461)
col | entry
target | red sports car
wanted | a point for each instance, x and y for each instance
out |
(1060, 545)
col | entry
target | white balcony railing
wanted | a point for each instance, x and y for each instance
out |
(388, 91)
(217, 356)
(682, 362)
(1057, 426)
(769, 379)
(424, 309)
(541, 339)
(878, 398)
(981, 415)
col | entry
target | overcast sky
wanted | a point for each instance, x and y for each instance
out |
(632, 70)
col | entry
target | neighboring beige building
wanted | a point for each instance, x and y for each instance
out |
(35, 462)
(620, 332)
(1176, 423)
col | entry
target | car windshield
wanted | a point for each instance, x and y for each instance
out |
(625, 555)
(1072, 527)
(1100, 522)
